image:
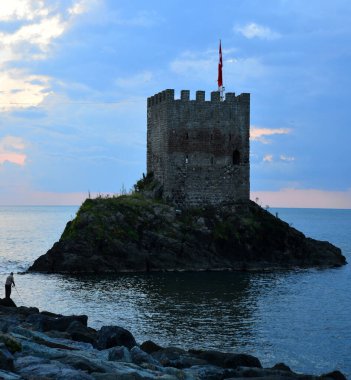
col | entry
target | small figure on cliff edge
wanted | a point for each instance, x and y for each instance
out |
(9, 282)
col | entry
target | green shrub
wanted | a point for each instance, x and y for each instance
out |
(11, 343)
(145, 183)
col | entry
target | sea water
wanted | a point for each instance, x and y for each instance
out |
(299, 317)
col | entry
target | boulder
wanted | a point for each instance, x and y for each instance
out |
(6, 375)
(8, 302)
(58, 334)
(149, 347)
(122, 376)
(139, 357)
(6, 358)
(82, 333)
(53, 370)
(50, 314)
(267, 373)
(110, 336)
(169, 356)
(177, 357)
(43, 322)
(281, 367)
(82, 363)
(27, 310)
(207, 372)
(36, 342)
(9, 322)
(11, 343)
(335, 375)
(226, 360)
(119, 354)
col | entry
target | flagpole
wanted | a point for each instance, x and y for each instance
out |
(221, 93)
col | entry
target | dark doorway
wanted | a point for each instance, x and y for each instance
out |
(236, 157)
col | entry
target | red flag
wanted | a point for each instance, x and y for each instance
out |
(220, 65)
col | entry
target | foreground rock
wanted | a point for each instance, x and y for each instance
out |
(41, 345)
(133, 233)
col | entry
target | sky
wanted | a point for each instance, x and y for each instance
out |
(75, 76)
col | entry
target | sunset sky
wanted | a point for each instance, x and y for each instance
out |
(75, 75)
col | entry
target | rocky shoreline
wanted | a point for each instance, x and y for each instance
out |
(43, 345)
(133, 233)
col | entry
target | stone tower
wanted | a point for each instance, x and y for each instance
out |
(199, 150)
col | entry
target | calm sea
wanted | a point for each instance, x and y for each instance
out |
(300, 317)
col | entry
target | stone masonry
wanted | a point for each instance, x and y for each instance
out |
(199, 150)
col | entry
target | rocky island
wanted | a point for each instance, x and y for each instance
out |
(140, 233)
(43, 345)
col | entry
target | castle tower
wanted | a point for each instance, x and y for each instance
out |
(199, 150)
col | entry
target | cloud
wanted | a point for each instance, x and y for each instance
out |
(39, 34)
(137, 80)
(11, 148)
(22, 10)
(268, 158)
(192, 62)
(29, 10)
(38, 24)
(203, 66)
(19, 89)
(80, 7)
(253, 30)
(304, 198)
(258, 134)
(282, 157)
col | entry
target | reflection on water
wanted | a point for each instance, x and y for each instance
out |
(204, 307)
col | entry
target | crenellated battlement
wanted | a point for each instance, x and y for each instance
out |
(200, 96)
(161, 97)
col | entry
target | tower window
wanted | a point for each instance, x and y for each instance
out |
(236, 157)
(212, 160)
(186, 159)
(187, 136)
(230, 137)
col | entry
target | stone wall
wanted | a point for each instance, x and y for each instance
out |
(199, 150)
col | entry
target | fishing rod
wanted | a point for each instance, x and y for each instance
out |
(19, 295)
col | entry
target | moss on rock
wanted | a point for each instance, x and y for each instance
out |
(137, 233)
(11, 343)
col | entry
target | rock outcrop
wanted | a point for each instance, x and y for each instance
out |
(41, 345)
(133, 233)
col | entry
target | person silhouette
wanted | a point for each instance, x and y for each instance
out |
(9, 282)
